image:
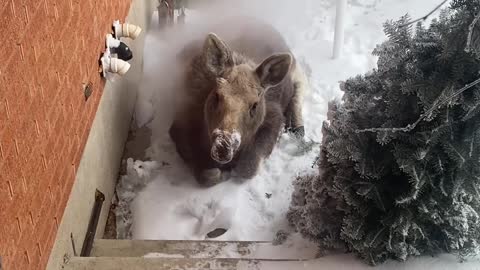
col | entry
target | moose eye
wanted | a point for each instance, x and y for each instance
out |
(253, 109)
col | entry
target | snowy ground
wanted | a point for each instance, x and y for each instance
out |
(166, 202)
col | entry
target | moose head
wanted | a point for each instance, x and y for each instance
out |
(236, 106)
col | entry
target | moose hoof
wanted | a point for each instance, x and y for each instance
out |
(211, 177)
(298, 132)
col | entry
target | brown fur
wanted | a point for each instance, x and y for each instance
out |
(235, 85)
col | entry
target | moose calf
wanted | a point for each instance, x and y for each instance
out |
(242, 92)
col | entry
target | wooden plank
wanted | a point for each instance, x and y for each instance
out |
(334, 261)
(138, 263)
(199, 249)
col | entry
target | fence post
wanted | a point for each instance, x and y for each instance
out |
(339, 28)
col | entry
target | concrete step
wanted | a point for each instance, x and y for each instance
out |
(139, 263)
(199, 249)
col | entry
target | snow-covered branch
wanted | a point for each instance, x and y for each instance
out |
(426, 16)
(470, 32)
(424, 115)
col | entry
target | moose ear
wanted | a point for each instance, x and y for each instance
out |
(273, 70)
(218, 56)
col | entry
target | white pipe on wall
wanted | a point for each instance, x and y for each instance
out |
(126, 30)
(339, 27)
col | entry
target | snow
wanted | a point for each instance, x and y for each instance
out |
(164, 199)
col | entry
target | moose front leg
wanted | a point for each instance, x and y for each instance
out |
(263, 144)
(211, 177)
(247, 165)
(294, 112)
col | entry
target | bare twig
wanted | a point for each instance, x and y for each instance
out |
(426, 16)
(470, 32)
(410, 127)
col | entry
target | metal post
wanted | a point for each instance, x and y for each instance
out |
(92, 224)
(339, 28)
(181, 17)
(165, 13)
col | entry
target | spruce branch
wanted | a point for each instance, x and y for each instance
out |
(376, 236)
(470, 32)
(424, 17)
(438, 103)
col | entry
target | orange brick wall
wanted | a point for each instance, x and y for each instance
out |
(49, 49)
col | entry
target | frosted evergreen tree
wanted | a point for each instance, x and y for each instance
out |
(399, 169)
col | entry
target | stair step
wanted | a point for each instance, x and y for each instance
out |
(199, 249)
(139, 263)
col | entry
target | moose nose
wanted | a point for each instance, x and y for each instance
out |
(221, 154)
(224, 146)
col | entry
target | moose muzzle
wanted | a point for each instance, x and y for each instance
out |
(224, 145)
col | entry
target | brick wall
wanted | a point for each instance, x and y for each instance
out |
(49, 50)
